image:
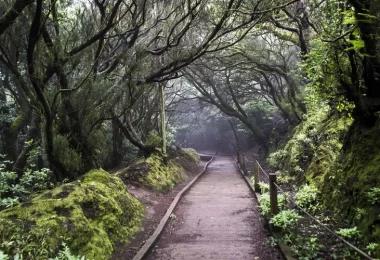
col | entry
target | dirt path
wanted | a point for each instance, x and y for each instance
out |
(217, 219)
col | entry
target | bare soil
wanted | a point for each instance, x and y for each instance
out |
(156, 205)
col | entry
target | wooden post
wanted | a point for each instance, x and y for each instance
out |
(240, 161)
(273, 194)
(256, 174)
(244, 168)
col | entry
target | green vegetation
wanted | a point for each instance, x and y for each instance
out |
(189, 155)
(92, 214)
(264, 202)
(123, 85)
(342, 181)
(307, 197)
(158, 172)
(84, 218)
(162, 176)
(286, 220)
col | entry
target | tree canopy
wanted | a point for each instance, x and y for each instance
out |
(97, 83)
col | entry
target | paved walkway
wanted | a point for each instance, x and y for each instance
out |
(216, 219)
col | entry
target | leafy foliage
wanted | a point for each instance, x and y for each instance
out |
(374, 195)
(264, 203)
(350, 233)
(12, 192)
(307, 197)
(285, 219)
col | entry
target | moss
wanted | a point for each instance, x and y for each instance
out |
(92, 214)
(354, 174)
(17, 123)
(162, 176)
(191, 155)
(97, 176)
(314, 147)
(342, 160)
(158, 172)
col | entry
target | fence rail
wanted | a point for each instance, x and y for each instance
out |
(274, 188)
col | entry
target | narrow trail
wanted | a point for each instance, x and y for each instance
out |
(216, 219)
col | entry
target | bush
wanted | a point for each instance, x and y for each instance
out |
(11, 192)
(69, 158)
(374, 195)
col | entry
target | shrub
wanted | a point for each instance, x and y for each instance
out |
(264, 202)
(307, 197)
(374, 195)
(286, 219)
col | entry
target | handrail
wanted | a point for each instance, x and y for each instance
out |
(311, 216)
(260, 167)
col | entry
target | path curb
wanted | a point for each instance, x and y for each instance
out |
(144, 250)
(284, 249)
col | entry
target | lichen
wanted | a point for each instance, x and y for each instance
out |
(17, 123)
(92, 214)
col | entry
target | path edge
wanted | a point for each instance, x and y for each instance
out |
(284, 249)
(144, 250)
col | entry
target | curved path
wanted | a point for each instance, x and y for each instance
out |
(216, 219)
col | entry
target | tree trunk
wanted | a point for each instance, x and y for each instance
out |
(162, 116)
(34, 133)
(116, 145)
(11, 136)
(10, 16)
(130, 133)
(236, 134)
(78, 139)
(368, 105)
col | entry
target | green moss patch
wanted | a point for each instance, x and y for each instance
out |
(91, 214)
(356, 172)
(158, 172)
(341, 159)
(314, 147)
(190, 155)
(155, 173)
(163, 176)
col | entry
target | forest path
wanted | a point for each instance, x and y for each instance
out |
(216, 219)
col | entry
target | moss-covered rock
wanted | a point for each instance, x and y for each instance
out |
(158, 172)
(190, 154)
(92, 214)
(155, 172)
(163, 176)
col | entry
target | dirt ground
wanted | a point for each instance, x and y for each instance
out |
(156, 205)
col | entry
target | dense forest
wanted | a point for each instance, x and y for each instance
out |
(87, 85)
